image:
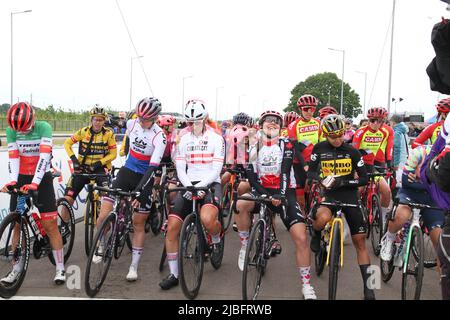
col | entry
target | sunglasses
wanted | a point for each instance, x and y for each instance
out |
(274, 119)
(336, 135)
(308, 109)
(190, 123)
(376, 120)
(146, 120)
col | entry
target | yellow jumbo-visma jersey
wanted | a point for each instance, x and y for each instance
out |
(103, 146)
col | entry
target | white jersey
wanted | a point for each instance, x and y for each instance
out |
(146, 146)
(203, 156)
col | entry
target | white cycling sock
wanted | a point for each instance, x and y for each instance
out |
(305, 275)
(390, 235)
(137, 252)
(172, 258)
(58, 255)
(215, 238)
(243, 235)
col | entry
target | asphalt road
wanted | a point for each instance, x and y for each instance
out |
(281, 280)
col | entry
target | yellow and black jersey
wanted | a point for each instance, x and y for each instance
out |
(102, 147)
(343, 162)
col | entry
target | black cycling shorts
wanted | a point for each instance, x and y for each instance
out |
(77, 183)
(291, 215)
(183, 207)
(46, 201)
(354, 216)
(127, 180)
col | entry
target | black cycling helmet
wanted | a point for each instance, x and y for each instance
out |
(241, 118)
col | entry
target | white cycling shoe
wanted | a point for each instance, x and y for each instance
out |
(132, 274)
(386, 248)
(241, 258)
(308, 292)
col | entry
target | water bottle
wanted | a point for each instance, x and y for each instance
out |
(21, 201)
(36, 219)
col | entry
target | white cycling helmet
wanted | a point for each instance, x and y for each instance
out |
(195, 110)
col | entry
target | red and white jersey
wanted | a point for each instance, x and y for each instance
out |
(203, 156)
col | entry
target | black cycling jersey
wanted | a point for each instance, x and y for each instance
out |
(342, 161)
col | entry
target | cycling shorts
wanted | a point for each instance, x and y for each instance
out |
(77, 183)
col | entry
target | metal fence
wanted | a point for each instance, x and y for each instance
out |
(57, 125)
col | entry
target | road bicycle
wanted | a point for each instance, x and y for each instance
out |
(230, 194)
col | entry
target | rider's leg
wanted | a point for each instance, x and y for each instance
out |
(385, 197)
(323, 216)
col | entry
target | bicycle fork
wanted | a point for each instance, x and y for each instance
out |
(341, 222)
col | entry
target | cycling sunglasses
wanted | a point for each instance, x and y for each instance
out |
(190, 123)
(336, 135)
(274, 119)
(376, 120)
(308, 109)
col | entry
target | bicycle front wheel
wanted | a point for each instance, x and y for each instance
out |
(377, 224)
(254, 263)
(335, 254)
(227, 206)
(429, 260)
(413, 275)
(191, 261)
(100, 256)
(66, 226)
(387, 267)
(90, 217)
(14, 253)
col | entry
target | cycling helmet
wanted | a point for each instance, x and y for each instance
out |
(195, 110)
(333, 124)
(269, 113)
(166, 120)
(20, 116)
(307, 100)
(376, 112)
(98, 111)
(241, 118)
(385, 113)
(443, 106)
(148, 108)
(290, 117)
(326, 111)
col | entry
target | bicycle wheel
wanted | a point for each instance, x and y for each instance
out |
(335, 254)
(66, 228)
(320, 257)
(253, 263)
(216, 258)
(190, 263)
(227, 206)
(11, 254)
(102, 249)
(377, 224)
(89, 223)
(163, 259)
(122, 231)
(429, 257)
(413, 273)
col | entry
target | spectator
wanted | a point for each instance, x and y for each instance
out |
(412, 130)
(363, 122)
(400, 153)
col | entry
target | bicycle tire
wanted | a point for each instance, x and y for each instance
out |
(429, 258)
(163, 259)
(9, 290)
(216, 260)
(377, 223)
(89, 225)
(254, 257)
(122, 232)
(320, 258)
(335, 253)
(67, 230)
(227, 205)
(416, 241)
(189, 234)
(108, 225)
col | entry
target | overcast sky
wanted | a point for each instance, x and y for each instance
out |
(74, 54)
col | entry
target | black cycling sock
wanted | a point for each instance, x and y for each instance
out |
(368, 292)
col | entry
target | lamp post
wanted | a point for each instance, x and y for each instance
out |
(342, 80)
(217, 93)
(131, 76)
(12, 14)
(390, 60)
(365, 87)
(182, 97)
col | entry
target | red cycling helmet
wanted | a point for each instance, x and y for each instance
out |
(20, 116)
(443, 106)
(326, 111)
(166, 120)
(290, 117)
(376, 112)
(270, 113)
(307, 100)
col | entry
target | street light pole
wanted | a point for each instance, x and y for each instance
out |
(390, 60)
(131, 76)
(365, 87)
(182, 97)
(217, 89)
(342, 80)
(13, 13)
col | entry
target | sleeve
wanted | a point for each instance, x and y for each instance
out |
(286, 166)
(13, 155)
(357, 139)
(389, 145)
(217, 164)
(181, 164)
(123, 147)
(76, 137)
(45, 153)
(112, 150)
(313, 170)
(423, 136)
(159, 143)
(298, 149)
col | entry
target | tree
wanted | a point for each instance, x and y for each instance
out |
(326, 87)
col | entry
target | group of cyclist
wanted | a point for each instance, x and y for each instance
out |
(279, 157)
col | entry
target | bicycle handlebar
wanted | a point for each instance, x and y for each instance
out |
(191, 188)
(419, 205)
(117, 191)
(339, 204)
(257, 199)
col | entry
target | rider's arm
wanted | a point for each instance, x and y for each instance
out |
(124, 147)
(69, 142)
(159, 144)
(298, 149)
(423, 136)
(286, 166)
(357, 139)
(112, 150)
(389, 146)
(181, 164)
(13, 154)
(313, 171)
(217, 162)
(45, 152)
